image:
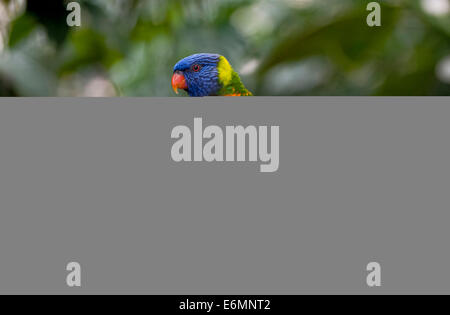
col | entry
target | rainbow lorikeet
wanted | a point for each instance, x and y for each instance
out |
(207, 75)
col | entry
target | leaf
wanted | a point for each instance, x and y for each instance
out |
(346, 40)
(89, 47)
(20, 29)
(440, 23)
(27, 75)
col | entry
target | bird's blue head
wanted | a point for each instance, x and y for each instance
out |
(197, 75)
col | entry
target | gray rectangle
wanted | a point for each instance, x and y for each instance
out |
(92, 181)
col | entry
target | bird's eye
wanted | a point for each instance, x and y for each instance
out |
(196, 68)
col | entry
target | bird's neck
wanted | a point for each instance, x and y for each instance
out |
(235, 87)
(230, 80)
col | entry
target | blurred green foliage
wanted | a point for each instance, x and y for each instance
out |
(280, 47)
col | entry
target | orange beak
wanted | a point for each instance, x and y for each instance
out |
(178, 81)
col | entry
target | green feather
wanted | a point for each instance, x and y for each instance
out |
(230, 80)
